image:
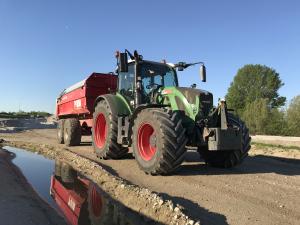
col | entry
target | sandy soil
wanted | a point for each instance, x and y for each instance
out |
(19, 204)
(263, 190)
(277, 140)
(8, 125)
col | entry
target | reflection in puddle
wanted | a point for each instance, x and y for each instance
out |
(83, 202)
(80, 200)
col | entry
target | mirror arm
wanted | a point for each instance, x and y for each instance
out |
(192, 64)
(129, 53)
(186, 65)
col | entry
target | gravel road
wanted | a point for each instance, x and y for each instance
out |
(263, 190)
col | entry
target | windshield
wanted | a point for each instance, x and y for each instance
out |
(152, 74)
(126, 82)
(159, 74)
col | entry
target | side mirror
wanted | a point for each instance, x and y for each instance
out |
(203, 73)
(123, 62)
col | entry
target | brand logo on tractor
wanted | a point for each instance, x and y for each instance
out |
(77, 103)
(166, 91)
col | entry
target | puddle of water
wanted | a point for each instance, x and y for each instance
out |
(37, 169)
(78, 199)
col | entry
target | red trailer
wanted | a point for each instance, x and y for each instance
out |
(75, 106)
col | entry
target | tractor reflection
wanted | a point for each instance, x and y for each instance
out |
(81, 201)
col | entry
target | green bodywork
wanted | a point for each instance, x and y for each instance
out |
(117, 103)
(124, 107)
(169, 95)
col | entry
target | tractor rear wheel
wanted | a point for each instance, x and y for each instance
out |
(60, 131)
(228, 159)
(158, 141)
(72, 132)
(105, 133)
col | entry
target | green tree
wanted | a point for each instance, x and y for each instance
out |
(293, 117)
(253, 82)
(277, 124)
(256, 115)
(262, 119)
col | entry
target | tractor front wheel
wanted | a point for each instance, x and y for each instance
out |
(159, 141)
(228, 159)
(105, 133)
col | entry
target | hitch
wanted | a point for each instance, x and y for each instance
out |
(224, 137)
(223, 114)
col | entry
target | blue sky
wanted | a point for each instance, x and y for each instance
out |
(46, 46)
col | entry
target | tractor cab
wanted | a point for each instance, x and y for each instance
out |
(141, 81)
(151, 76)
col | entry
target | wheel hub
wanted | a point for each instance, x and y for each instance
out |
(100, 130)
(146, 141)
(153, 140)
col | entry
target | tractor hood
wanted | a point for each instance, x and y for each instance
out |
(205, 98)
(194, 102)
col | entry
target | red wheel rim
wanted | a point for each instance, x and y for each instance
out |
(100, 130)
(146, 141)
(96, 202)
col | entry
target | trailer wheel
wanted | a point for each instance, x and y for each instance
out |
(72, 132)
(105, 133)
(159, 141)
(60, 131)
(228, 159)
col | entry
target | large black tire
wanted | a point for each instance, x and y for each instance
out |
(105, 133)
(100, 209)
(60, 131)
(57, 168)
(72, 132)
(159, 141)
(228, 159)
(67, 173)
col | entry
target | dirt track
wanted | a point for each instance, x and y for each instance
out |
(263, 190)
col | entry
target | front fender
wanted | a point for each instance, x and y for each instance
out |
(117, 104)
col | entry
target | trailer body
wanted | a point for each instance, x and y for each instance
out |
(69, 201)
(78, 100)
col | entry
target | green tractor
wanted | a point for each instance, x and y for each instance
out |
(150, 114)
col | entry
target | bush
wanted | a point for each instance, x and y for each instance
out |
(293, 117)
